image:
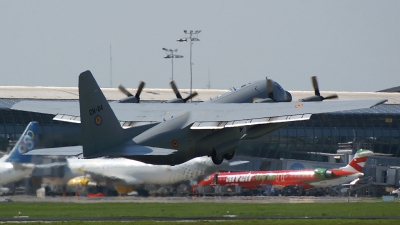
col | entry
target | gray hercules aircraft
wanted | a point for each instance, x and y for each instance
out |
(260, 91)
(161, 133)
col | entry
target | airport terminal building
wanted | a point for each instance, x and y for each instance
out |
(317, 139)
(377, 129)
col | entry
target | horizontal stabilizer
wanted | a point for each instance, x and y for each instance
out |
(77, 150)
(65, 151)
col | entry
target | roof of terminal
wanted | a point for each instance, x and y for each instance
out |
(71, 93)
(9, 95)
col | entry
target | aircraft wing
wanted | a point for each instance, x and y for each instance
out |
(78, 150)
(202, 116)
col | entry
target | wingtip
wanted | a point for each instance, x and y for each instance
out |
(380, 102)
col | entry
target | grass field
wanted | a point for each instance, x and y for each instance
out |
(177, 210)
(241, 222)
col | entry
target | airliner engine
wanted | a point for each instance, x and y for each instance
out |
(323, 173)
(81, 182)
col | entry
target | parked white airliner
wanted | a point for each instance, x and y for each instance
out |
(125, 172)
(15, 166)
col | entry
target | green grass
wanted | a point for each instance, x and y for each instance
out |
(252, 222)
(46, 209)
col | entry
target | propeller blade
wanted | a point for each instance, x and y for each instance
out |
(317, 97)
(140, 88)
(123, 90)
(175, 89)
(331, 96)
(270, 88)
(190, 96)
(315, 85)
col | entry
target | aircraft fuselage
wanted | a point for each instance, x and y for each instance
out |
(279, 179)
(10, 174)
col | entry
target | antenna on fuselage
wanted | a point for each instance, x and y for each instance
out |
(209, 82)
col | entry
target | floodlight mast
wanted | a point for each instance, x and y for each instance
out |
(191, 33)
(171, 55)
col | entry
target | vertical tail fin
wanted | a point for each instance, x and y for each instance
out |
(100, 127)
(102, 133)
(25, 143)
(358, 162)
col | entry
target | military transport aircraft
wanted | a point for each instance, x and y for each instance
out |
(16, 165)
(260, 91)
(304, 179)
(160, 133)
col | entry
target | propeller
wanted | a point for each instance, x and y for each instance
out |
(270, 88)
(179, 98)
(131, 98)
(317, 97)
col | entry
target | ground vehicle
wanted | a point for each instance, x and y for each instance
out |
(395, 192)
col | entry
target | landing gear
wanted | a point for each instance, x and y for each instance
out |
(229, 155)
(217, 159)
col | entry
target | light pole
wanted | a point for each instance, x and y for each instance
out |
(171, 55)
(191, 38)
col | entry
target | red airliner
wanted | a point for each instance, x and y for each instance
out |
(306, 179)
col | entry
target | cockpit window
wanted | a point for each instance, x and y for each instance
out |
(278, 86)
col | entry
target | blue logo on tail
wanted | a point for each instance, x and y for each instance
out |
(25, 143)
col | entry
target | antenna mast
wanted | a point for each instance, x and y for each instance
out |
(110, 67)
(209, 82)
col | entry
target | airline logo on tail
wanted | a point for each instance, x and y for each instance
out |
(358, 162)
(25, 143)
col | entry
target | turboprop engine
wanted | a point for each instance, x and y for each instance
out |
(323, 173)
(275, 93)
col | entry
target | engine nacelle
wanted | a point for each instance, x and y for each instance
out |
(130, 99)
(122, 190)
(323, 173)
(81, 182)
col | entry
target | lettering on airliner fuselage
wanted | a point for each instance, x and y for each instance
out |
(249, 178)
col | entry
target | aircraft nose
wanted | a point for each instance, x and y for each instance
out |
(288, 96)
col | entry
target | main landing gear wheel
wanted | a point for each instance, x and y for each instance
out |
(217, 160)
(229, 155)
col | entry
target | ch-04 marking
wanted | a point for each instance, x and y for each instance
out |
(95, 110)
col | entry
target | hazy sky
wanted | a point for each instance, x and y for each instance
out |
(349, 45)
